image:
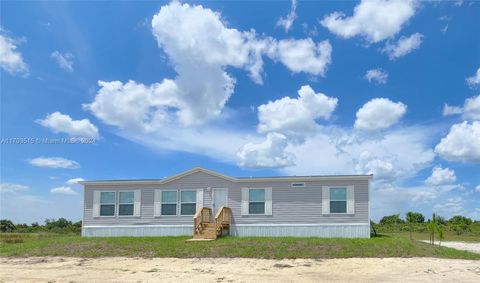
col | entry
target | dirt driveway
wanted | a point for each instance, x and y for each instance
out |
(118, 269)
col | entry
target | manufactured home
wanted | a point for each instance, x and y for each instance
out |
(207, 204)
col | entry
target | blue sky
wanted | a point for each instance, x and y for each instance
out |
(244, 88)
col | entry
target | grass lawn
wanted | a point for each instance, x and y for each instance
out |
(24, 245)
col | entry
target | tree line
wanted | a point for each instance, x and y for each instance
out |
(61, 226)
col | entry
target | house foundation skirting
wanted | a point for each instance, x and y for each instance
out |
(241, 230)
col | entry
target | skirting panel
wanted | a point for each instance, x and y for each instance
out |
(323, 231)
(133, 231)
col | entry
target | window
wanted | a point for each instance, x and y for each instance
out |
(125, 203)
(107, 203)
(295, 185)
(188, 205)
(338, 200)
(169, 203)
(256, 201)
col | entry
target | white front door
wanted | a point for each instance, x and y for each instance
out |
(220, 198)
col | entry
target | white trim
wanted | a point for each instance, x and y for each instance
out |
(161, 203)
(232, 179)
(180, 201)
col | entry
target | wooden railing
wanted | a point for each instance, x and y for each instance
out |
(202, 216)
(222, 218)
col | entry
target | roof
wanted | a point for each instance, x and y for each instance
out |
(232, 179)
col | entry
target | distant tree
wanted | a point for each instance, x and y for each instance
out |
(6, 226)
(458, 219)
(391, 219)
(57, 224)
(415, 217)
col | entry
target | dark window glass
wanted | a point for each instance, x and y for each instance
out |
(107, 210)
(125, 209)
(169, 209)
(338, 207)
(188, 208)
(256, 208)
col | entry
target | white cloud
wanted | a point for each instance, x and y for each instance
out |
(200, 47)
(377, 76)
(287, 22)
(304, 55)
(64, 61)
(375, 20)
(63, 191)
(12, 188)
(469, 111)
(379, 113)
(269, 153)
(452, 206)
(474, 80)
(62, 123)
(403, 46)
(462, 143)
(477, 188)
(74, 181)
(441, 176)
(296, 116)
(10, 59)
(54, 162)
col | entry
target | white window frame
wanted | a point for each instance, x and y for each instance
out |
(179, 199)
(264, 201)
(118, 203)
(330, 200)
(115, 210)
(176, 204)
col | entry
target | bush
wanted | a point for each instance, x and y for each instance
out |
(392, 219)
(6, 226)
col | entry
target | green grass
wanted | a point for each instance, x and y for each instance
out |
(276, 248)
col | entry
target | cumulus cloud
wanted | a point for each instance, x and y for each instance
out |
(441, 176)
(12, 188)
(474, 80)
(375, 20)
(403, 46)
(63, 191)
(62, 123)
(452, 206)
(469, 111)
(477, 188)
(11, 60)
(54, 162)
(296, 116)
(377, 76)
(64, 61)
(462, 143)
(379, 113)
(304, 55)
(202, 86)
(269, 153)
(74, 181)
(287, 22)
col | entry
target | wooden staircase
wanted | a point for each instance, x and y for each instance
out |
(203, 227)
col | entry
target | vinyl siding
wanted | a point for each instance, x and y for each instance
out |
(299, 205)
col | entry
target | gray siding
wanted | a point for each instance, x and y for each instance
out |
(301, 205)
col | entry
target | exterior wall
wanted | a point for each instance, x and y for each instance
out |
(291, 207)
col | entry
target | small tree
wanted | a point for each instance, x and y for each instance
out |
(431, 227)
(391, 219)
(6, 226)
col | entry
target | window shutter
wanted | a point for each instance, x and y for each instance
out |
(244, 201)
(137, 204)
(96, 203)
(157, 209)
(268, 201)
(325, 200)
(199, 199)
(350, 200)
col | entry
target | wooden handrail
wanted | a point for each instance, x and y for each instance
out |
(222, 218)
(202, 216)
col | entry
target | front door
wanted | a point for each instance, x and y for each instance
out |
(220, 198)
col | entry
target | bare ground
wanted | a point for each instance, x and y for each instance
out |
(121, 269)
(466, 246)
